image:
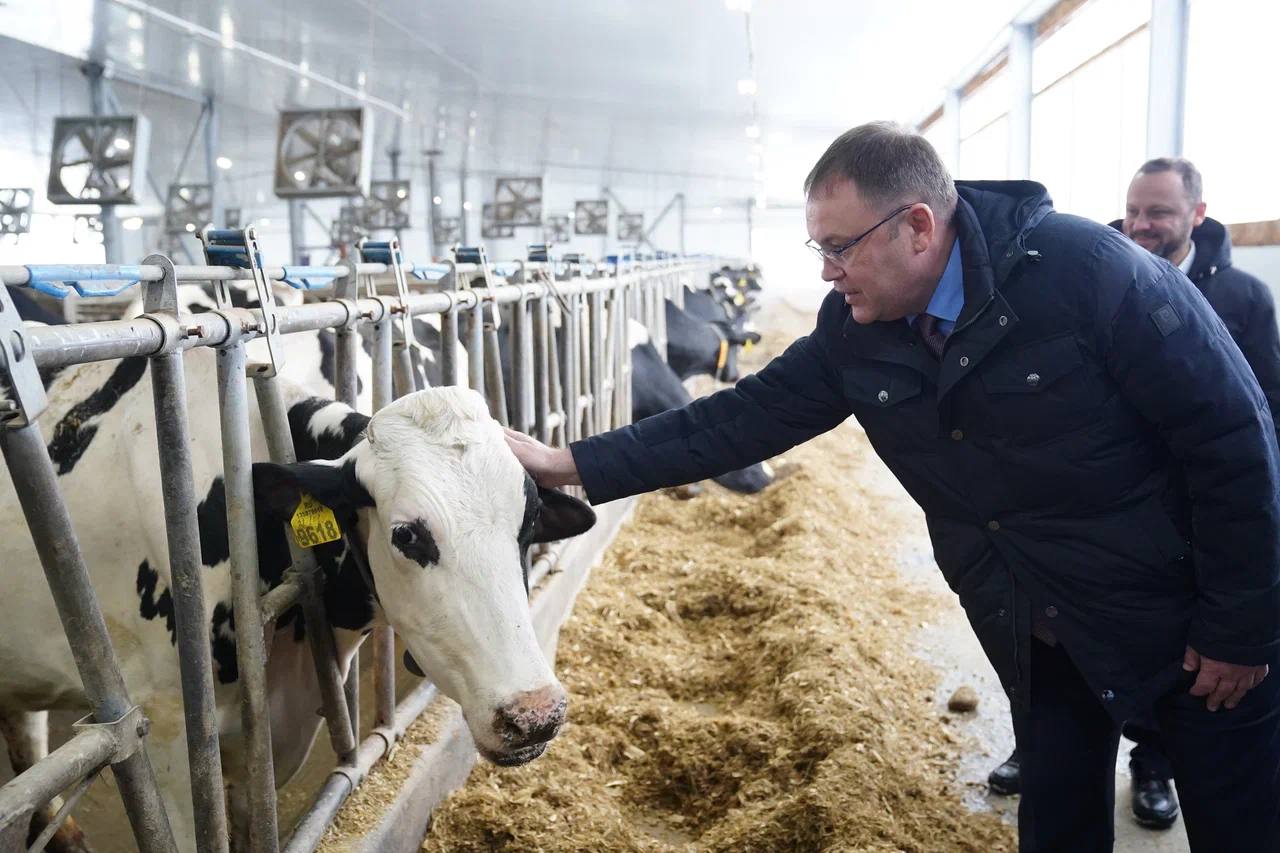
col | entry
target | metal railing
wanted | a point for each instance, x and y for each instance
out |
(570, 377)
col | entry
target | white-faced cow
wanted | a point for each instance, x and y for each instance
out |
(426, 492)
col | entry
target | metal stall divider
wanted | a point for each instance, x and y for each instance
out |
(228, 329)
(346, 290)
(113, 734)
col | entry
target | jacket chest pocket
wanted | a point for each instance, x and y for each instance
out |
(888, 401)
(1040, 390)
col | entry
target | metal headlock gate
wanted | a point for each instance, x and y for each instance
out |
(570, 376)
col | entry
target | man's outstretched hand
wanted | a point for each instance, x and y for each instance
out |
(1223, 683)
(549, 466)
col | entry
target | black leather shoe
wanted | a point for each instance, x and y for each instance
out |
(1155, 805)
(1007, 778)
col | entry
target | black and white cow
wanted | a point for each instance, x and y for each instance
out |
(426, 492)
(701, 339)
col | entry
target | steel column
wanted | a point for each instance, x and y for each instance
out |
(36, 485)
(449, 346)
(242, 535)
(382, 638)
(195, 658)
(541, 362)
(1167, 77)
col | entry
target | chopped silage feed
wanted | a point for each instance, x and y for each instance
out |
(742, 679)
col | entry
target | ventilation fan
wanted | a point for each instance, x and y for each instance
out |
(517, 201)
(556, 228)
(591, 217)
(323, 153)
(97, 160)
(87, 229)
(188, 208)
(348, 227)
(630, 227)
(15, 210)
(491, 230)
(446, 230)
(387, 206)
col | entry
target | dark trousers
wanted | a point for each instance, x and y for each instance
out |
(1226, 764)
(1148, 759)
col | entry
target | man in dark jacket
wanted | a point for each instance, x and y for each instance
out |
(1165, 214)
(1096, 463)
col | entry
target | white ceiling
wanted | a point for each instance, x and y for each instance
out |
(609, 88)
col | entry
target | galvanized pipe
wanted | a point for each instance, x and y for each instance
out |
(80, 757)
(599, 367)
(313, 825)
(449, 347)
(495, 392)
(73, 594)
(475, 347)
(275, 423)
(280, 599)
(383, 639)
(242, 535)
(195, 658)
(541, 374)
(346, 384)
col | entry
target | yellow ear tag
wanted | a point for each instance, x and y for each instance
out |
(739, 300)
(749, 345)
(314, 523)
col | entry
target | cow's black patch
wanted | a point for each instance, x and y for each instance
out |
(212, 517)
(414, 540)
(152, 605)
(73, 434)
(225, 662)
(332, 443)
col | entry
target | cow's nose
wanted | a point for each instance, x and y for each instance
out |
(532, 717)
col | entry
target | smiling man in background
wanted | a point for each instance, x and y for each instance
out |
(1097, 467)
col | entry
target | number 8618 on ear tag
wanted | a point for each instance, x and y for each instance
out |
(314, 523)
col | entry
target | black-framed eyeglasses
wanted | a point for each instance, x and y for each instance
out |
(836, 255)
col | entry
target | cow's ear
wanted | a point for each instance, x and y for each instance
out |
(277, 489)
(561, 516)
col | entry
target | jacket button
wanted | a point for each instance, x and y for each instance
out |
(993, 525)
(1108, 695)
(1033, 379)
(1001, 613)
(883, 396)
(1051, 611)
(957, 434)
(1004, 321)
(964, 361)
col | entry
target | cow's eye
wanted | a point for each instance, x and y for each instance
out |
(403, 536)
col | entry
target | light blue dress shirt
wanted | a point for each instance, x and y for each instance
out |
(948, 297)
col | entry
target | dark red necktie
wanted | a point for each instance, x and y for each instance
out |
(927, 328)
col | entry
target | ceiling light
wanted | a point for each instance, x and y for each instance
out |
(304, 67)
(191, 228)
(753, 131)
(228, 30)
(746, 86)
(133, 223)
(134, 21)
(135, 47)
(223, 162)
(299, 176)
(402, 193)
(466, 205)
(264, 222)
(437, 200)
(121, 143)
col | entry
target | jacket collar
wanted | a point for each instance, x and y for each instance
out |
(992, 220)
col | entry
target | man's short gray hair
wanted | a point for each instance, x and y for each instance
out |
(1192, 183)
(887, 163)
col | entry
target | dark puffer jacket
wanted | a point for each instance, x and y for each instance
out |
(1091, 444)
(1242, 301)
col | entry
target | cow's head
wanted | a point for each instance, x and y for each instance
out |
(446, 515)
